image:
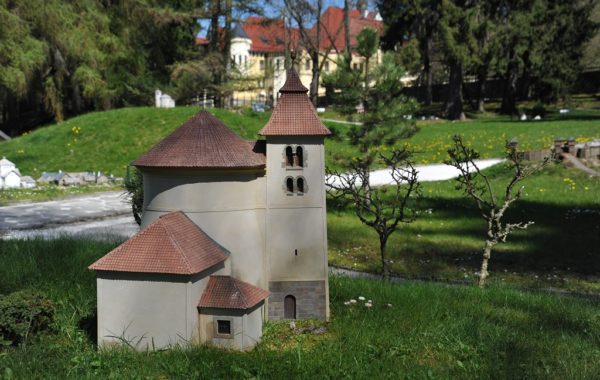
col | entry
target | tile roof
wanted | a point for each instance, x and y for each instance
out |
(172, 244)
(226, 292)
(202, 142)
(333, 29)
(293, 83)
(294, 114)
(268, 35)
(238, 31)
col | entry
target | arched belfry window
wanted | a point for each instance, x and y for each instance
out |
(289, 184)
(300, 185)
(299, 156)
(289, 307)
(289, 156)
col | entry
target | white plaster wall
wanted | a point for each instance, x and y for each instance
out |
(297, 222)
(5, 169)
(229, 208)
(12, 180)
(150, 311)
(246, 325)
(241, 47)
(300, 230)
(148, 314)
(313, 171)
(253, 322)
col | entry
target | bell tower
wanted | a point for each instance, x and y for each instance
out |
(296, 237)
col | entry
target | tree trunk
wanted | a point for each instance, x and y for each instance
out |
(509, 99)
(348, 50)
(314, 55)
(487, 253)
(481, 79)
(215, 11)
(427, 73)
(454, 102)
(385, 272)
(314, 83)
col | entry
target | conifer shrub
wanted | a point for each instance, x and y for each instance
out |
(23, 314)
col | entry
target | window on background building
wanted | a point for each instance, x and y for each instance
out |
(277, 64)
(326, 67)
(289, 185)
(262, 64)
(307, 65)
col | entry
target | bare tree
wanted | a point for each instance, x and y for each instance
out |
(478, 186)
(381, 208)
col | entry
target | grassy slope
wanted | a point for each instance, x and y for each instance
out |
(108, 141)
(560, 249)
(431, 331)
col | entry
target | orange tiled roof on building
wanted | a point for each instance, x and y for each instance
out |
(226, 292)
(294, 114)
(202, 142)
(268, 35)
(172, 244)
(333, 30)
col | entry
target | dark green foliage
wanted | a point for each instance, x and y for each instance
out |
(23, 314)
(386, 116)
(134, 185)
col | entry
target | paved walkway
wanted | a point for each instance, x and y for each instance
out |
(70, 210)
(108, 216)
(427, 173)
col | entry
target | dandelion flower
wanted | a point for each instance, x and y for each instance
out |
(361, 298)
(352, 301)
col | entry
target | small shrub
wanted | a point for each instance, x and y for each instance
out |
(23, 314)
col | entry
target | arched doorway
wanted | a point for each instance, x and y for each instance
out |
(289, 307)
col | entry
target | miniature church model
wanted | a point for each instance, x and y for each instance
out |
(233, 234)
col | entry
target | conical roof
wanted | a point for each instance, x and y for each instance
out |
(238, 31)
(172, 244)
(294, 114)
(226, 292)
(202, 142)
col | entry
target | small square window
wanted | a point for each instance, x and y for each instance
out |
(223, 327)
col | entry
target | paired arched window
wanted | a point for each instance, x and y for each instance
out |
(289, 156)
(297, 185)
(294, 158)
(299, 157)
(300, 185)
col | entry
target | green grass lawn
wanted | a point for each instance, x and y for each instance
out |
(109, 141)
(431, 331)
(562, 248)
